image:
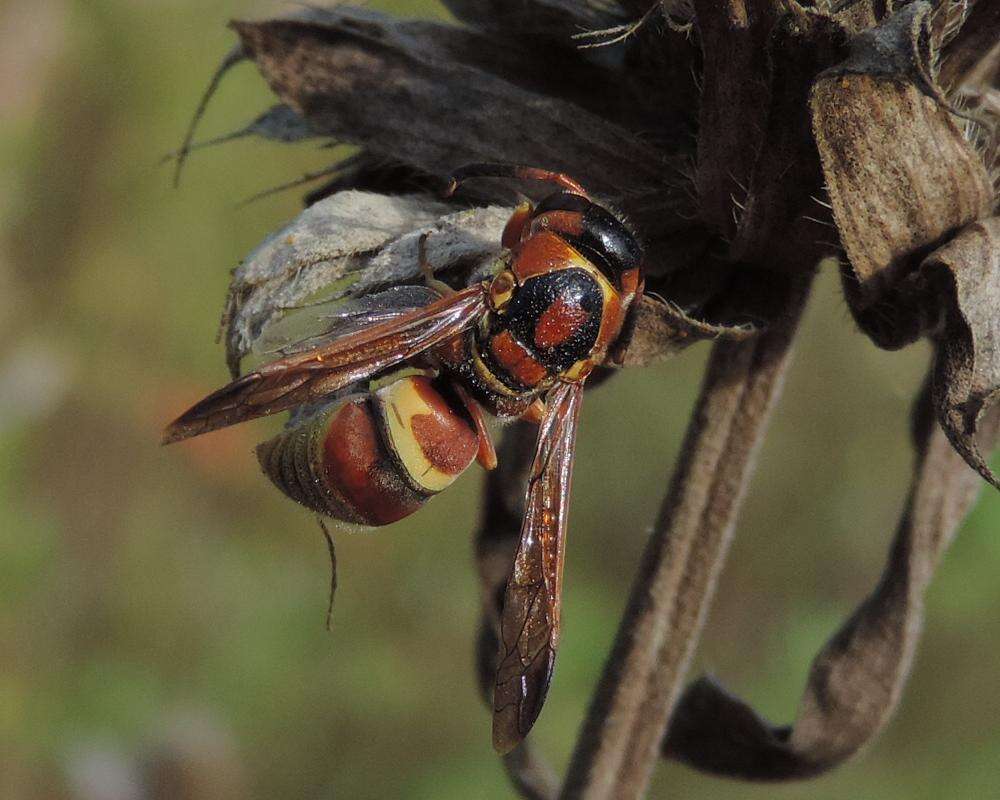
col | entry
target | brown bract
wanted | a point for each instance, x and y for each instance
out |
(900, 173)
(746, 141)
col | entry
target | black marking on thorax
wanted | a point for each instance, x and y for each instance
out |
(573, 286)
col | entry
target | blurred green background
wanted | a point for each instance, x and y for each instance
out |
(161, 610)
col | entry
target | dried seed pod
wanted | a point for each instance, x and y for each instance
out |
(375, 458)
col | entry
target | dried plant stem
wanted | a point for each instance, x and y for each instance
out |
(620, 739)
(530, 776)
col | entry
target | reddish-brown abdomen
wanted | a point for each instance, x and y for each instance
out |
(373, 459)
(358, 466)
(433, 440)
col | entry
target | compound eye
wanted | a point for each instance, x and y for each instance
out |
(502, 289)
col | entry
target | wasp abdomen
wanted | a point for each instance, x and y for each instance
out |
(373, 459)
(432, 437)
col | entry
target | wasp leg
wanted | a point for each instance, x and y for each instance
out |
(487, 456)
(520, 172)
(333, 568)
(535, 411)
(438, 286)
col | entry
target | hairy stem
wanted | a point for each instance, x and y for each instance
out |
(619, 741)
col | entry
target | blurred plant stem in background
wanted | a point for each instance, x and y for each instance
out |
(151, 596)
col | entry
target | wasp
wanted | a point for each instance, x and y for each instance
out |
(518, 344)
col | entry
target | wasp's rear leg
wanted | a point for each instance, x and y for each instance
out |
(427, 270)
(487, 455)
(535, 412)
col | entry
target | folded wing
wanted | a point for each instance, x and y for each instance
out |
(309, 376)
(529, 623)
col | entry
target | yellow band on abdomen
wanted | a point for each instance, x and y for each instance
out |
(432, 442)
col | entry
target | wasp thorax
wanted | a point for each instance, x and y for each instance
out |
(376, 458)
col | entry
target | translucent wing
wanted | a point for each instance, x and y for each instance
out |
(529, 624)
(319, 324)
(309, 376)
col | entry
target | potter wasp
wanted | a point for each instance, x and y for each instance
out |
(518, 344)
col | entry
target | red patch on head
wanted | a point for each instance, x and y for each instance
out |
(558, 323)
(516, 360)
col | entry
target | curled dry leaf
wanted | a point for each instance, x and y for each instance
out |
(340, 238)
(965, 273)
(900, 174)
(733, 113)
(368, 80)
(758, 172)
(856, 680)
(780, 224)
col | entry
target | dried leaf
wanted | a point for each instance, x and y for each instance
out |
(368, 80)
(662, 330)
(319, 248)
(900, 175)
(279, 123)
(898, 47)
(661, 79)
(856, 15)
(966, 274)
(856, 680)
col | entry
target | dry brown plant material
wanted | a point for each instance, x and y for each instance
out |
(747, 140)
